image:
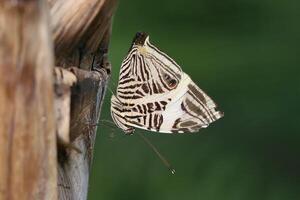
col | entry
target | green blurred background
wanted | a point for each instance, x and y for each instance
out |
(244, 54)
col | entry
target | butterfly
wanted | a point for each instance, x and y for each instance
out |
(153, 93)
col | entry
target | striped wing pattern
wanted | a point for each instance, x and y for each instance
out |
(153, 93)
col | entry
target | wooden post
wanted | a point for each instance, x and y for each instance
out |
(81, 31)
(28, 166)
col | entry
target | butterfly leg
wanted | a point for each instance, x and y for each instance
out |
(129, 131)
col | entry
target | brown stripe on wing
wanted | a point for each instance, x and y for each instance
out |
(204, 101)
(129, 97)
(188, 123)
(128, 87)
(164, 55)
(145, 88)
(160, 121)
(195, 109)
(150, 121)
(128, 80)
(183, 107)
(155, 120)
(208, 112)
(177, 121)
(198, 94)
(139, 93)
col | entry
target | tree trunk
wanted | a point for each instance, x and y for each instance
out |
(27, 129)
(81, 32)
(32, 110)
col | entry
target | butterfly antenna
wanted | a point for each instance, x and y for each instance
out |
(110, 124)
(161, 157)
(111, 90)
(113, 82)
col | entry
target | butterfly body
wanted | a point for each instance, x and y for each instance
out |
(155, 94)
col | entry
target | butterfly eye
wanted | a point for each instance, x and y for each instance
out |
(172, 83)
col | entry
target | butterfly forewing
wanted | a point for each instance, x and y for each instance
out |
(154, 94)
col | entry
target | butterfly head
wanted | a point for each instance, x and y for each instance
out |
(140, 38)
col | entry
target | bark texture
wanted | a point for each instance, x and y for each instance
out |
(81, 32)
(35, 100)
(28, 166)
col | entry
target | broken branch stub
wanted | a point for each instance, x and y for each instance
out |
(63, 80)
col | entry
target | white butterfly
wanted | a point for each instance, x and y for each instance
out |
(153, 93)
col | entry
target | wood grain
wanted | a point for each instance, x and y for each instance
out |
(81, 33)
(31, 167)
(28, 168)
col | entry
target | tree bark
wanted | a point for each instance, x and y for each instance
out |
(33, 112)
(28, 166)
(81, 31)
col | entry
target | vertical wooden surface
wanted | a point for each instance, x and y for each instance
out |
(28, 150)
(28, 166)
(81, 33)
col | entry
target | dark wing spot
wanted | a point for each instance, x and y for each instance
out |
(172, 83)
(163, 103)
(157, 106)
(145, 88)
(150, 107)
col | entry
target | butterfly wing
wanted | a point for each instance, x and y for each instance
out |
(191, 111)
(146, 72)
(155, 94)
(187, 109)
